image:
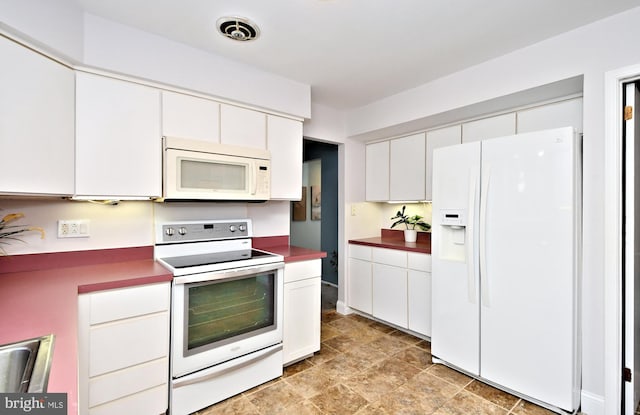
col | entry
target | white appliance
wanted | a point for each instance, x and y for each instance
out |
(202, 170)
(226, 311)
(506, 263)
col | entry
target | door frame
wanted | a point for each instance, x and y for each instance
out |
(613, 233)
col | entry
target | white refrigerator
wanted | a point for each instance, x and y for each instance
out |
(506, 263)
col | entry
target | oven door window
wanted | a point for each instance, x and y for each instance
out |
(221, 312)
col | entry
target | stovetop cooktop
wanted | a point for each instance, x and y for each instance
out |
(186, 261)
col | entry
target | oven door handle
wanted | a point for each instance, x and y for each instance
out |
(228, 274)
(234, 364)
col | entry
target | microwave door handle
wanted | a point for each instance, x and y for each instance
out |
(254, 178)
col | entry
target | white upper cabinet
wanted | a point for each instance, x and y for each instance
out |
(36, 123)
(407, 168)
(118, 140)
(491, 127)
(560, 114)
(284, 141)
(242, 127)
(377, 172)
(186, 116)
(435, 139)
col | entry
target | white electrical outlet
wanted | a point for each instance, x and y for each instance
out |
(77, 228)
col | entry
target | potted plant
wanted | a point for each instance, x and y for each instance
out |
(11, 232)
(410, 222)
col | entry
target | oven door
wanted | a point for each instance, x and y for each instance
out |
(219, 316)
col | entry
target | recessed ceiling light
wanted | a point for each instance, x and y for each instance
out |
(238, 28)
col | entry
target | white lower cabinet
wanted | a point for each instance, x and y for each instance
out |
(123, 350)
(419, 309)
(419, 292)
(301, 317)
(359, 284)
(390, 294)
(391, 285)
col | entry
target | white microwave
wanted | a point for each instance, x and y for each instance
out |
(202, 170)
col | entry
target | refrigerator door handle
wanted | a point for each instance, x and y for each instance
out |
(484, 286)
(471, 269)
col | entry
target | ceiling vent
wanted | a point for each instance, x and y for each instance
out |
(238, 28)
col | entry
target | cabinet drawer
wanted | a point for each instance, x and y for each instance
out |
(128, 302)
(393, 257)
(115, 385)
(127, 343)
(419, 262)
(302, 270)
(150, 402)
(360, 252)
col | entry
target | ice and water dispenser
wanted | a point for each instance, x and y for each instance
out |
(453, 223)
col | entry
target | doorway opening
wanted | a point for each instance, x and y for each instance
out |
(314, 220)
(621, 260)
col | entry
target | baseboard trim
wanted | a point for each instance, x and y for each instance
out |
(592, 404)
(342, 308)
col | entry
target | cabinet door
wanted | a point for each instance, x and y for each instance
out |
(560, 114)
(491, 127)
(436, 139)
(284, 141)
(301, 336)
(123, 350)
(36, 123)
(242, 127)
(419, 302)
(118, 142)
(186, 116)
(359, 285)
(377, 172)
(407, 168)
(390, 294)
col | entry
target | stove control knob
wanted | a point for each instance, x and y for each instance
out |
(232, 228)
(182, 231)
(169, 231)
(242, 227)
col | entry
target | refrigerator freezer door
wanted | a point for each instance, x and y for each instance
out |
(528, 311)
(455, 302)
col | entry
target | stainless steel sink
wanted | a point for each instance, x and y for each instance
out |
(25, 365)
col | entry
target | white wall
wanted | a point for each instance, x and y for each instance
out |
(127, 224)
(590, 51)
(120, 48)
(130, 223)
(94, 41)
(326, 124)
(56, 23)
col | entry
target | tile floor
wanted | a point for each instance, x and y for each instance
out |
(366, 368)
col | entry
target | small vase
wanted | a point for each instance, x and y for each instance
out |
(410, 235)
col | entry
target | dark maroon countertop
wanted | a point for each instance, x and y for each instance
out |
(39, 294)
(280, 245)
(394, 239)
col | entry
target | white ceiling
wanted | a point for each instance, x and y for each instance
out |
(353, 52)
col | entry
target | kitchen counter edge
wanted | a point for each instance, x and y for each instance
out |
(393, 243)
